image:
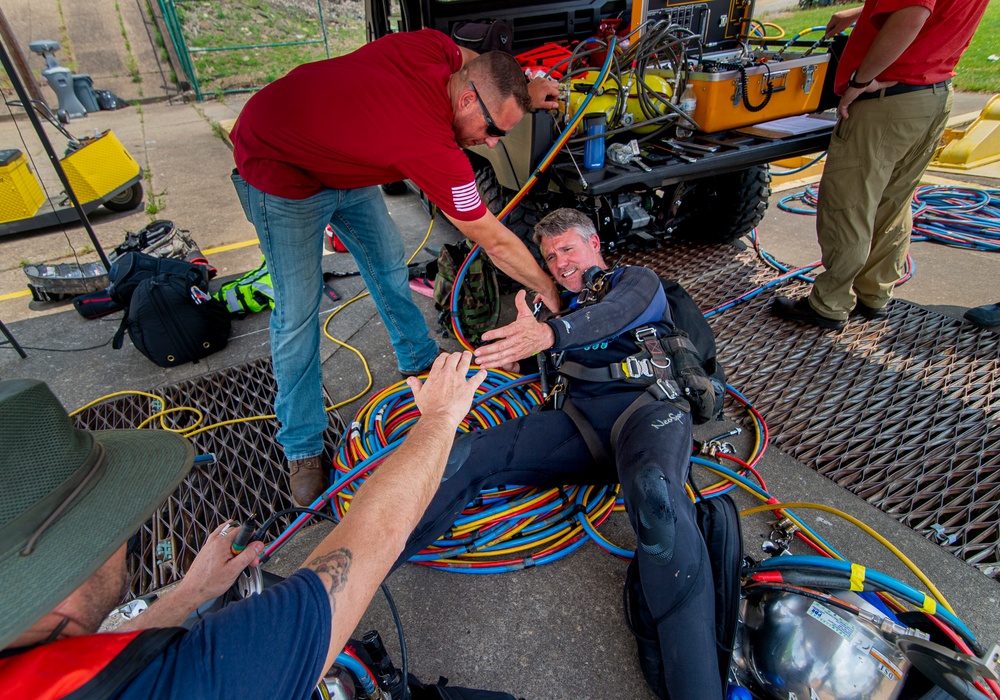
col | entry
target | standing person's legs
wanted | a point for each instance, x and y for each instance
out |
(919, 121)
(291, 238)
(854, 179)
(363, 223)
(653, 464)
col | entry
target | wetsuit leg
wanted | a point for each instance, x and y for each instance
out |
(541, 449)
(653, 464)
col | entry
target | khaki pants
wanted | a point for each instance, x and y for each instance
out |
(863, 223)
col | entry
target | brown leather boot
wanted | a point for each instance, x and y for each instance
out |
(307, 480)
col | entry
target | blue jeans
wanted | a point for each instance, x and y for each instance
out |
(291, 239)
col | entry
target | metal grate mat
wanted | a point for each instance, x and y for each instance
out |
(247, 477)
(903, 412)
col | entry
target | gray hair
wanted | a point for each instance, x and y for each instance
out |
(562, 220)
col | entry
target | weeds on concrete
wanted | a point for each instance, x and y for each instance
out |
(155, 201)
(217, 130)
(131, 62)
(68, 60)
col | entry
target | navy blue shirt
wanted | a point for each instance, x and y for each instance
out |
(272, 645)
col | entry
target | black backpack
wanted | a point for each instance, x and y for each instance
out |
(128, 271)
(171, 318)
(689, 320)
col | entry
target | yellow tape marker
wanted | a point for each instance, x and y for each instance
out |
(929, 606)
(857, 577)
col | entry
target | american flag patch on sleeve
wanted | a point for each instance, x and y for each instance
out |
(466, 197)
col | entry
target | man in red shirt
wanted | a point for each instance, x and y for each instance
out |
(311, 148)
(895, 87)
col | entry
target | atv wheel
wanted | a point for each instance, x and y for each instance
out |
(126, 200)
(525, 215)
(394, 188)
(723, 208)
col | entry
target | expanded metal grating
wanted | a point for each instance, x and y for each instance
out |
(903, 412)
(247, 477)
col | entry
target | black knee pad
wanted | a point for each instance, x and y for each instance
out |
(654, 515)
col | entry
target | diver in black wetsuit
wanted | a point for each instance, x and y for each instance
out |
(651, 453)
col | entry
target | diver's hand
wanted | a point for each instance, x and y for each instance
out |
(515, 341)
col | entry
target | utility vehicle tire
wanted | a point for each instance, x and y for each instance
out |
(526, 214)
(394, 188)
(127, 200)
(723, 208)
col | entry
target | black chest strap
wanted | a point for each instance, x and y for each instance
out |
(128, 664)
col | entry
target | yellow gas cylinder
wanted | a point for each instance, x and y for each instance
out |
(607, 100)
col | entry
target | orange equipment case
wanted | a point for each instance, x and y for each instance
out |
(735, 62)
(796, 83)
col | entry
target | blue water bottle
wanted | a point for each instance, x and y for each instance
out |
(594, 126)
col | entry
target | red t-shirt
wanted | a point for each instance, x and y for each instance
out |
(934, 52)
(377, 115)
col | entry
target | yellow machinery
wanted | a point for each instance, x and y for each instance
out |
(976, 145)
(100, 170)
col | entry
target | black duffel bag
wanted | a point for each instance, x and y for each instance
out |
(172, 321)
(482, 35)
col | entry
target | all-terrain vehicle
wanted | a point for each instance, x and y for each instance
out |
(684, 114)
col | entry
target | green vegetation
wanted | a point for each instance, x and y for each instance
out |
(155, 201)
(975, 72)
(131, 63)
(67, 59)
(217, 24)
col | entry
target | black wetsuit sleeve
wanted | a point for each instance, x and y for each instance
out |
(636, 298)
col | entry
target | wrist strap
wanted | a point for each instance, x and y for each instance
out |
(851, 82)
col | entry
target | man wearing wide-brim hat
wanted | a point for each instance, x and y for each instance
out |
(69, 501)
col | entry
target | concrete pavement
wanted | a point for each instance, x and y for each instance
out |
(111, 42)
(552, 632)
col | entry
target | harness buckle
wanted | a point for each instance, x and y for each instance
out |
(641, 334)
(669, 390)
(636, 368)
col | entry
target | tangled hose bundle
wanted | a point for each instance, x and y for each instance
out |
(507, 528)
(962, 217)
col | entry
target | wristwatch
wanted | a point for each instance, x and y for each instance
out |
(851, 82)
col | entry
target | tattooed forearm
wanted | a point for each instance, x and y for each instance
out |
(333, 566)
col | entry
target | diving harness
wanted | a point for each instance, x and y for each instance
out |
(669, 366)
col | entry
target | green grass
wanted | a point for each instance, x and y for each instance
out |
(228, 23)
(974, 73)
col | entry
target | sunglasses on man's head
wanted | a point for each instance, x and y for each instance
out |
(491, 126)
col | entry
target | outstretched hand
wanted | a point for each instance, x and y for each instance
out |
(447, 393)
(515, 341)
